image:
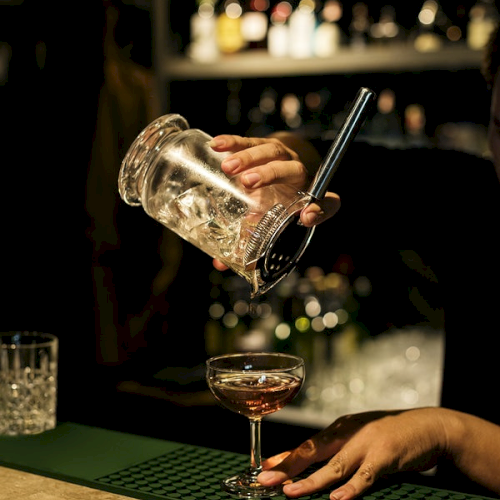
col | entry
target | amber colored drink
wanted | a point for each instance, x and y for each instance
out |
(255, 394)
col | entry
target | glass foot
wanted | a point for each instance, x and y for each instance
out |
(247, 486)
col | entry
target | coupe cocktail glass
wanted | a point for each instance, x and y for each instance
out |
(254, 384)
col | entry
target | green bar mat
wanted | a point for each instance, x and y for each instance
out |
(153, 469)
(192, 473)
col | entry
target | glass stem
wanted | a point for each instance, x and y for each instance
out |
(255, 449)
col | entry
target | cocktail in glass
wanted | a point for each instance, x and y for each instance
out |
(254, 384)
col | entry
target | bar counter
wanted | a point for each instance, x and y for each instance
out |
(18, 485)
(75, 461)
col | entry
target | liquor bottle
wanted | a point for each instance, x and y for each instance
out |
(328, 34)
(261, 116)
(302, 25)
(386, 30)
(278, 34)
(203, 42)
(291, 107)
(360, 26)
(385, 127)
(255, 24)
(482, 21)
(432, 26)
(228, 27)
(414, 123)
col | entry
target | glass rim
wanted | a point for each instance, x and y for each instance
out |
(300, 361)
(45, 340)
(142, 150)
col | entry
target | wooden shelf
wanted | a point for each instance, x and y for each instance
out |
(258, 64)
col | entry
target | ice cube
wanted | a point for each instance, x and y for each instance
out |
(192, 207)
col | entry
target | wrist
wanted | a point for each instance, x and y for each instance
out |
(453, 431)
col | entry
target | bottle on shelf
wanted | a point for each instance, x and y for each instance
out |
(255, 24)
(414, 124)
(203, 42)
(302, 25)
(360, 26)
(483, 18)
(328, 35)
(228, 27)
(432, 27)
(291, 108)
(386, 29)
(278, 33)
(385, 126)
(261, 116)
(316, 119)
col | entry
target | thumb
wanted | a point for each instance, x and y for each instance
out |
(320, 211)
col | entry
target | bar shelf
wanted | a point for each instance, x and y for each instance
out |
(383, 59)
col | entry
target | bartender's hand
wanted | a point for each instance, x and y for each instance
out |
(282, 157)
(364, 447)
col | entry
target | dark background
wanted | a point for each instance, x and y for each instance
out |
(49, 107)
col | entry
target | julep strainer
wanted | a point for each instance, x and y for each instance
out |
(280, 239)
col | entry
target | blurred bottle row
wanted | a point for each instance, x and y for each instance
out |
(395, 123)
(314, 28)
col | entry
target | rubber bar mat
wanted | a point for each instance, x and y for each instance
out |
(193, 473)
(153, 469)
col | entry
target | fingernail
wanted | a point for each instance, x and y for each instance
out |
(293, 488)
(230, 165)
(216, 143)
(310, 218)
(250, 179)
(337, 495)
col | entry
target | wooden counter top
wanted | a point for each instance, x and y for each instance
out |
(18, 485)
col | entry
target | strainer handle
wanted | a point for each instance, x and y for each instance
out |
(355, 118)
